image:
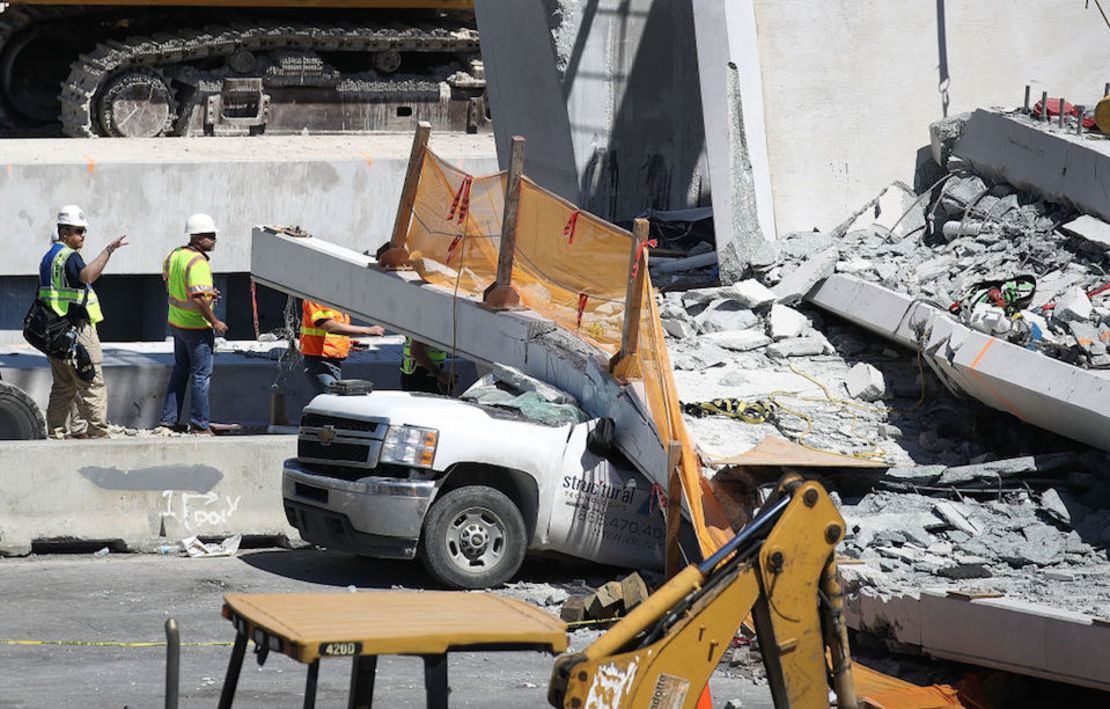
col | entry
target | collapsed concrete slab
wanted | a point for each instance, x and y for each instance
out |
(1003, 633)
(145, 496)
(1068, 400)
(1058, 166)
(401, 301)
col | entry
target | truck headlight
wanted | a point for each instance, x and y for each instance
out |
(410, 445)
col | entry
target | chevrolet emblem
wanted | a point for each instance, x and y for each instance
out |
(327, 435)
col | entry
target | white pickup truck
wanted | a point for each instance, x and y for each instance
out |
(469, 488)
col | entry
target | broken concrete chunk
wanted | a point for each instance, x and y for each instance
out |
(701, 296)
(960, 193)
(678, 328)
(796, 347)
(1074, 306)
(854, 265)
(965, 571)
(1006, 468)
(1090, 230)
(916, 474)
(943, 134)
(1043, 546)
(866, 383)
(801, 280)
(725, 315)
(738, 340)
(934, 268)
(953, 515)
(750, 294)
(1055, 507)
(785, 322)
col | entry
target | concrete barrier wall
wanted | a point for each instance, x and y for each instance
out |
(136, 376)
(139, 494)
(343, 187)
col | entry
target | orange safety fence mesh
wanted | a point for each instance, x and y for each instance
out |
(880, 691)
(575, 275)
(568, 266)
(653, 365)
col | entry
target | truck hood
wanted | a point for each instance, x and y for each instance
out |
(428, 410)
(469, 433)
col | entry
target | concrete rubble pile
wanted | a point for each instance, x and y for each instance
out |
(824, 381)
(967, 230)
(976, 502)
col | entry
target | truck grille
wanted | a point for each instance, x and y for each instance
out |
(336, 452)
(334, 444)
(321, 420)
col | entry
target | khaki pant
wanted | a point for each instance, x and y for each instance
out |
(78, 407)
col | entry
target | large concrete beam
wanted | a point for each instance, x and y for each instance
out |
(147, 188)
(1071, 401)
(402, 302)
(606, 93)
(1003, 633)
(1056, 165)
(142, 493)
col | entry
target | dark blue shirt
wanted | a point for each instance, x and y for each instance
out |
(74, 265)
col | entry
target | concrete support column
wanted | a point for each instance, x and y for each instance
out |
(735, 132)
(607, 95)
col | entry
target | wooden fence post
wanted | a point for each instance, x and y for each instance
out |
(393, 255)
(501, 295)
(630, 334)
(673, 558)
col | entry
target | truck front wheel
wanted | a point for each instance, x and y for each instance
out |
(473, 537)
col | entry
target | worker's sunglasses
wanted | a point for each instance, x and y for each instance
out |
(207, 236)
(74, 229)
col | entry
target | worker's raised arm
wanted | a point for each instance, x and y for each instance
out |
(334, 327)
(94, 268)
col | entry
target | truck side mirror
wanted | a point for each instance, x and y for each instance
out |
(599, 441)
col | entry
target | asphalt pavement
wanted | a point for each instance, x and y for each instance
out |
(88, 619)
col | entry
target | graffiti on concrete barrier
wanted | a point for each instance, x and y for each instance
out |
(196, 511)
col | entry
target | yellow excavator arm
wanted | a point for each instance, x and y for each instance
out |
(781, 569)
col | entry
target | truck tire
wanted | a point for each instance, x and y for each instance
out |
(20, 418)
(473, 537)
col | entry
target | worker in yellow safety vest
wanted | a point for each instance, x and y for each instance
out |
(78, 406)
(423, 369)
(326, 342)
(193, 323)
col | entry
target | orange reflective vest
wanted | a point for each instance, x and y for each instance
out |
(318, 342)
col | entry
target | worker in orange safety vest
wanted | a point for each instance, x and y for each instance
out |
(325, 342)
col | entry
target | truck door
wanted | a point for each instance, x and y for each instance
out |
(603, 510)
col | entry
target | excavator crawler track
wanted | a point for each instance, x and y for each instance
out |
(90, 72)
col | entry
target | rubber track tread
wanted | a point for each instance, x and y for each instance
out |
(90, 70)
(12, 20)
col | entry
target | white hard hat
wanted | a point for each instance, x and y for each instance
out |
(200, 223)
(72, 215)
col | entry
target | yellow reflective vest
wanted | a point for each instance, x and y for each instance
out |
(185, 272)
(56, 292)
(408, 362)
